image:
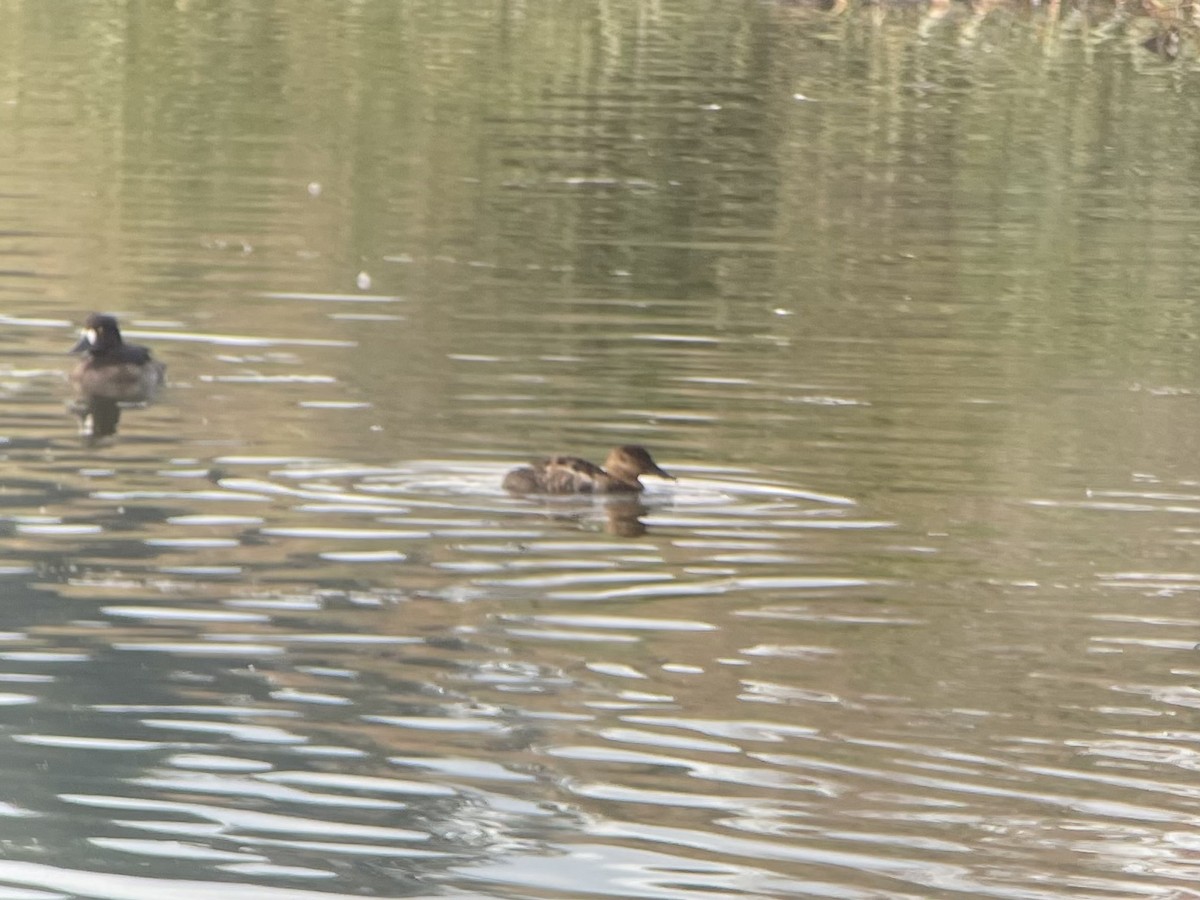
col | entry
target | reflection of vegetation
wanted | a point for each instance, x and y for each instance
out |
(633, 140)
(1159, 26)
(591, 198)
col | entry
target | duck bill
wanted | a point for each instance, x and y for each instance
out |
(662, 473)
(82, 345)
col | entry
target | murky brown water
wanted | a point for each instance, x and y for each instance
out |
(905, 302)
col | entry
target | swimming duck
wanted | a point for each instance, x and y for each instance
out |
(110, 368)
(571, 475)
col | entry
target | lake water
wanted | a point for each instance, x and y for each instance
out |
(905, 298)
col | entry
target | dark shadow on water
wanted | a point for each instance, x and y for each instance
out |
(98, 418)
(623, 516)
(622, 513)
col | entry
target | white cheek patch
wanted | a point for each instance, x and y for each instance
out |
(90, 336)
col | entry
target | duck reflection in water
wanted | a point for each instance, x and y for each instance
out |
(98, 418)
(622, 513)
(619, 479)
(111, 373)
(623, 516)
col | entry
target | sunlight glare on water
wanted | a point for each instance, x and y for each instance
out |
(900, 296)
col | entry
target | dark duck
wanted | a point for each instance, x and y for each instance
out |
(112, 369)
(571, 475)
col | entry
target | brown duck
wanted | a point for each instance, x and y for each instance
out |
(572, 475)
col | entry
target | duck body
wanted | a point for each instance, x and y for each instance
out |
(572, 475)
(112, 369)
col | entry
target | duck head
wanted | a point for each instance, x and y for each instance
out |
(100, 333)
(630, 461)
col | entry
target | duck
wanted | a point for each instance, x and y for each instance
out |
(572, 475)
(112, 369)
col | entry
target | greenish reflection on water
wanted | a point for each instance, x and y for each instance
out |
(905, 294)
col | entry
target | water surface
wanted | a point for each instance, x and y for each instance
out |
(902, 297)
